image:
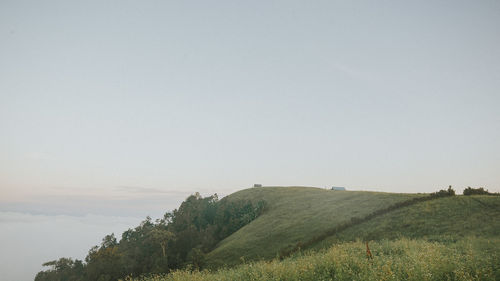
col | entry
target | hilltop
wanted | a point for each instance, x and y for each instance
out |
(294, 215)
(299, 215)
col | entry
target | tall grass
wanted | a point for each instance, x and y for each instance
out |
(354, 221)
(446, 219)
(403, 259)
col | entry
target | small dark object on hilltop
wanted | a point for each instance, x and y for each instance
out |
(444, 192)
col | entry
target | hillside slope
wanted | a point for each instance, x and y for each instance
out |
(419, 238)
(294, 214)
(402, 259)
(443, 219)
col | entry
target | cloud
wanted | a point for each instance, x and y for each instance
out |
(147, 190)
(128, 201)
(47, 238)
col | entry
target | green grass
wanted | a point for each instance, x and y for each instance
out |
(402, 259)
(294, 214)
(450, 218)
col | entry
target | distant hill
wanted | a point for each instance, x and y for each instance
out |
(294, 215)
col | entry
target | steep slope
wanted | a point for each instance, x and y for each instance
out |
(294, 214)
(443, 219)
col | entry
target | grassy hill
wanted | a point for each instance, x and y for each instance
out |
(448, 238)
(443, 219)
(293, 215)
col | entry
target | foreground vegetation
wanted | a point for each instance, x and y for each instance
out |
(402, 259)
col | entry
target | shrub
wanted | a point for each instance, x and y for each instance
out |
(476, 191)
(444, 192)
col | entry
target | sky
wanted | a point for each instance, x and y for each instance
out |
(127, 107)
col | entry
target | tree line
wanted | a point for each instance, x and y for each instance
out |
(179, 240)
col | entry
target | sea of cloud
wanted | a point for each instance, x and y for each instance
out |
(29, 240)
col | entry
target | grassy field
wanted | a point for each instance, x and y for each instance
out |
(443, 219)
(294, 214)
(402, 259)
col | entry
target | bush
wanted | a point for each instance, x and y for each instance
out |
(444, 192)
(476, 191)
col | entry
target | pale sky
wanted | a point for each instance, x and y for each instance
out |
(118, 101)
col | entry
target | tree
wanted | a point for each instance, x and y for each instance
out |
(196, 258)
(451, 192)
(161, 237)
(63, 269)
(108, 241)
(444, 192)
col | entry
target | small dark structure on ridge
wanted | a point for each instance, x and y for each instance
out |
(340, 188)
(257, 185)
